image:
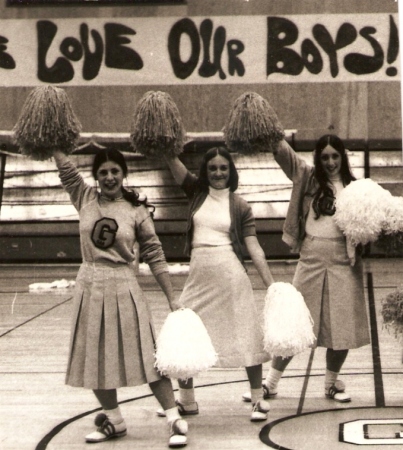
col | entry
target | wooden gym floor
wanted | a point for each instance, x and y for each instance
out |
(38, 411)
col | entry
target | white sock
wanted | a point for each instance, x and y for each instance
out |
(330, 378)
(172, 414)
(187, 396)
(256, 395)
(114, 415)
(272, 379)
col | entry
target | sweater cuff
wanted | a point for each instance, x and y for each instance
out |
(249, 231)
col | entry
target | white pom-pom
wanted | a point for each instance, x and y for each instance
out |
(184, 347)
(288, 322)
(393, 220)
(360, 210)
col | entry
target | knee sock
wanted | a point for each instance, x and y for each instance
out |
(330, 378)
(272, 379)
(187, 396)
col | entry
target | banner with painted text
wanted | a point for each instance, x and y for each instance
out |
(200, 50)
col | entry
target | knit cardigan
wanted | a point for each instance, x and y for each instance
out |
(242, 219)
(304, 187)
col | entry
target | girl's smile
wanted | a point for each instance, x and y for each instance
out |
(110, 178)
(218, 172)
(331, 161)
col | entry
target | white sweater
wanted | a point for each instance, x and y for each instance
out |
(212, 221)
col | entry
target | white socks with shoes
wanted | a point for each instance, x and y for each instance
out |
(330, 378)
(260, 407)
(110, 424)
(172, 414)
(272, 380)
(335, 389)
(187, 396)
(178, 428)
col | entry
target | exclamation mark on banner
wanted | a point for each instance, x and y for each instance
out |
(393, 47)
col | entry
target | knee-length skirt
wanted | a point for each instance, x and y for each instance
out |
(334, 293)
(218, 289)
(112, 336)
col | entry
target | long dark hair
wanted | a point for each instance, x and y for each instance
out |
(325, 195)
(233, 173)
(114, 155)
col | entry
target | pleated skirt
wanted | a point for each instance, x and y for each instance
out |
(112, 335)
(334, 293)
(219, 291)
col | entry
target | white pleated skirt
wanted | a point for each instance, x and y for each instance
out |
(112, 336)
(218, 289)
(333, 290)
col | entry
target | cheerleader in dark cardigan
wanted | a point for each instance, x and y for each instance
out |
(113, 337)
(329, 272)
(218, 288)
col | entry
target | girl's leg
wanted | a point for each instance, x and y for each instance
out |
(186, 391)
(334, 388)
(108, 398)
(186, 404)
(162, 389)
(255, 376)
(260, 406)
(186, 384)
(110, 422)
(335, 359)
(278, 365)
(276, 370)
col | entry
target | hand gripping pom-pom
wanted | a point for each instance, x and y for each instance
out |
(360, 211)
(157, 127)
(391, 237)
(393, 221)
(184, 347)
(252, 125)
(288, 325)
(47, 122)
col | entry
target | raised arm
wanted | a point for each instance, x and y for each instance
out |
(292, 164)
(259, 259)
(60, 157)
(71, 179)
(177, 168)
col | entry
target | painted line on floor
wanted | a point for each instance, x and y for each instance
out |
(34, 317)
(376, 354)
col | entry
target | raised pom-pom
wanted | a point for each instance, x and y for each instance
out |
(360, 210)
(288, 325)
(252, 125)
(47, 122)
(157, 127)
(392, 313)
(184, 347)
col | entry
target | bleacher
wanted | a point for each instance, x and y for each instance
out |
(39, 224)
